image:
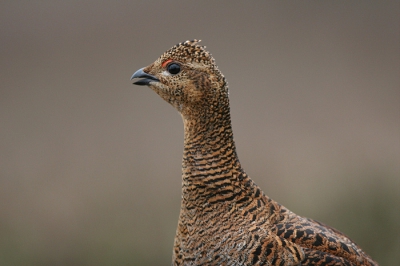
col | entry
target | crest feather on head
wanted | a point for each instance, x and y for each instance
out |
(189, 52)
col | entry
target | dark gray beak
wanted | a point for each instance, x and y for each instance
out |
(145, 78)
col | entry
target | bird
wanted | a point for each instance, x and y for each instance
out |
(225, 218)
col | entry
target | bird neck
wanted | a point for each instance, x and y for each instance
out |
(210, 162)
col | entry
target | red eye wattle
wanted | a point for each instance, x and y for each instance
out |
(165, 63)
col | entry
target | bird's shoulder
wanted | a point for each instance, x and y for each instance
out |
(321, 244)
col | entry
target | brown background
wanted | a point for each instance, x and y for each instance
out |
(90, 164)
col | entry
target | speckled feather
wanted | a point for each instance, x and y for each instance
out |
(225, 218)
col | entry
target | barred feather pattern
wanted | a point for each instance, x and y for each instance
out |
(225, 218)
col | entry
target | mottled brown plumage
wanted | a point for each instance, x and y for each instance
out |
(225, 218)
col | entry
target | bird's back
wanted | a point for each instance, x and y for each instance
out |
(255, 230)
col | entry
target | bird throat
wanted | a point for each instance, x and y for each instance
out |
(210, 162)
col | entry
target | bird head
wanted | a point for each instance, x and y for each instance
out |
(187, 77)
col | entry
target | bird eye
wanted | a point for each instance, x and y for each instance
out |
(174, 68)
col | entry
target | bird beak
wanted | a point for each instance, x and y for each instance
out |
(146, 78)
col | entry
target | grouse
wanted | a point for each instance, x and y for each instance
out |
(225, 218)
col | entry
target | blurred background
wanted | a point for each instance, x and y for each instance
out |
(90, 165)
